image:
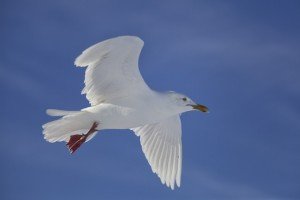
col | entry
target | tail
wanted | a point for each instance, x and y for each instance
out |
(70, 123)
(59, 113)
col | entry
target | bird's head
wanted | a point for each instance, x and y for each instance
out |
(184, 103)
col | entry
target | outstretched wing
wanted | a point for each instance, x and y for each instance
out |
(161, 143)
(112, 71)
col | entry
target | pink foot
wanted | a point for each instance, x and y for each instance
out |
(77, 140)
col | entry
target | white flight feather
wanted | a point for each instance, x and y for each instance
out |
(160, 143)
(112, 73)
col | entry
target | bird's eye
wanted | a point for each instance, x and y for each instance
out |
(184, 99)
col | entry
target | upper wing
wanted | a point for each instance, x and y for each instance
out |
(112, 71)
(161, 143)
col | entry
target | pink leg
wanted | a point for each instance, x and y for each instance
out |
(77, 140)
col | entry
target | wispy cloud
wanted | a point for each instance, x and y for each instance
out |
(19, 82)
(223, 189)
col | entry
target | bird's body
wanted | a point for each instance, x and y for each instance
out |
(120, 99)
(112, 116)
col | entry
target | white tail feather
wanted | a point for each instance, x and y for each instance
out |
(72, 123)
(58, 113)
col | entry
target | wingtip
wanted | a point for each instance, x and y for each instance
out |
(79, 63)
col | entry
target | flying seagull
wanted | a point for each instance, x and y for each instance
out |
(120, 99)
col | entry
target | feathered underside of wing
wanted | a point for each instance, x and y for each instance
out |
(112, 71)
(161, 144)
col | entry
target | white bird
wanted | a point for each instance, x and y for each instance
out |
(120, 99)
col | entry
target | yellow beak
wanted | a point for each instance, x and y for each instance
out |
(200, 107)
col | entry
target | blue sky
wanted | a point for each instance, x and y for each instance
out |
(240, 58)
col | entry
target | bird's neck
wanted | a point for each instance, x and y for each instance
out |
(165, 104)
